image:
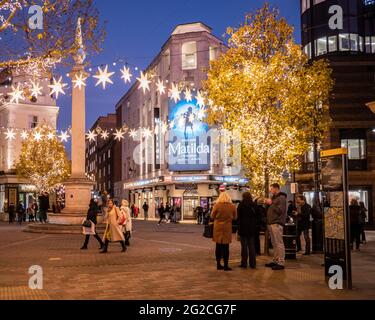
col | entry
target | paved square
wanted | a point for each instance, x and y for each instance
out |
(167, 262)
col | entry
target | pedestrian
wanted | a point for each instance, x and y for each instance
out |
(43, 207)
(20, 212)
(172, 215)
(113, 231)
(36, 211)
(291, 211)
(145, 210)
(303, 216)
(263, 222)
(127, 227)
(248, 219)
(199, 212)
(132, 210)
(161, 211)
(30, 212)
(167, 213)
(276, 219)
(223, 213)
(92, 215)
(136, 211)
(355, 228)
(363, 219)
(11, 212)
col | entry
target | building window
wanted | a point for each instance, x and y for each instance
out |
(167, 60)
(321, 46)
(353, 42)
(307, 50)
(356, 148)
(189, 56)
(33, 122)
(360, 43)
(214, 53)
(109, 153)
(332, 44)
(344, 42)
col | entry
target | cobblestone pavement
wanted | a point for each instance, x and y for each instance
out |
(167, 262)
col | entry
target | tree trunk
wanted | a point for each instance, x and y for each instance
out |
(266, 182)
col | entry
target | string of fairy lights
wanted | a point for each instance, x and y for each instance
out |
(32, 89)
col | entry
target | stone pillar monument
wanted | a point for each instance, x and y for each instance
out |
(78, 188)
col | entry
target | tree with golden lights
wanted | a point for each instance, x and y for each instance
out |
(43, 160)
(265, 87)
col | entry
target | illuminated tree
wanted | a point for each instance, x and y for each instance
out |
(43, 160)
(265, 87)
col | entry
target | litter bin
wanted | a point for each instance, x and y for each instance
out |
(290, 241)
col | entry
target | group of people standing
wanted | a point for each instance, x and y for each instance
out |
(168, 213)
(32, 213)
(118, 224)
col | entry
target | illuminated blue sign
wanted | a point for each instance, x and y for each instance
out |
(189, 147)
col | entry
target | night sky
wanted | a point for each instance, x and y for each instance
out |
(136, 30)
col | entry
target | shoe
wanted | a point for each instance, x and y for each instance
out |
(123, 249)
(271, 264)
(220, 267)
(242, 266)
(227, 269)
(84, 248)
(278, 267)
(104, 250)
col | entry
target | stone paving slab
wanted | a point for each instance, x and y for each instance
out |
(167, 262)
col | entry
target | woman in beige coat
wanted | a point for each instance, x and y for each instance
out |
(223, 213)
(113, 231)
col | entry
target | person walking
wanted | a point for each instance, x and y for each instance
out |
(248, 219)
(161, 211)
(113, 231)
(355, 228)
(30, 212)
(145, 210)
(36, 211)
(303, 215)
(92, 216)
(199, 212)
(362, 222)
(20, 212)
(167, 212)
(276, 219)
(223, 213)
(11, 212)
(127, 227)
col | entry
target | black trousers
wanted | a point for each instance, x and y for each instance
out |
(355, 234)
(127, 236)
(363, 233)
(87, 238)
(248, 251)
(11, 218)
(222, 252)
(161, 218)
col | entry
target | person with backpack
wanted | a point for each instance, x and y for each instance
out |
(248, 219)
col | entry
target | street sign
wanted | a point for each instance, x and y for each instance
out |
(336, 213)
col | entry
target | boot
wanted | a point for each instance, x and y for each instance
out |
(123, 246)
(105, 247)
(219, 266)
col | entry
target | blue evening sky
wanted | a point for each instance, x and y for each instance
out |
(136, 30)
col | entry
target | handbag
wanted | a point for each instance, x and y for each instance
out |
(208, 231)
(86, 223)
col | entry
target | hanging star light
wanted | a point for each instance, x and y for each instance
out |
(57, 87)
(175, 93)
(201, 113)
(119, 134)
(10, 134)
(147, 133)
(200, 99)
(36, 90)
(50, 136)
(16, 94)
(64, 136)
(126, 75)
(79, 81)
(188, 95)
(37, 136)
(160, 87)
(24, 135)
(104, 134)
(91, 135)
(103, 77)
(144, 82)
(133, 133)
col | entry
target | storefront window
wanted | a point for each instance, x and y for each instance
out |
(354, 42)
(344, 42)
(321, 46)
(332, 44)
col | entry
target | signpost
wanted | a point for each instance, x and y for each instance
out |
(336, 213)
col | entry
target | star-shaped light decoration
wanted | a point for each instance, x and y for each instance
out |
(36, 90)
(10, 134)
(24, 135)
(133, 133)
(64, 136)
(188, 95)
(164, 128)
(104, 77)
(126, 75)
(104, 134)
(16, 94)
(200, 99)
(147, 133)
(37, 136)
(119, 135)
(91, 135)
(79, 81)
(175, 93)
(160, 87)
(50, 136)
(201, 114)
(144, 82)
(57, 87)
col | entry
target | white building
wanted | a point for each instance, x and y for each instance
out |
(25, 115)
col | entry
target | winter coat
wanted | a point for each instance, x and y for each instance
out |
(303, 217)
(248, 219)
(223, 215)
(113, 231)
(355, 212)
(128, 225)
(276, 213)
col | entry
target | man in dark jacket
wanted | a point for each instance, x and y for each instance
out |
(11, 212)
(303, 223)
(276, 219)
(355, 229)
(20, 212)
(248, 219)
